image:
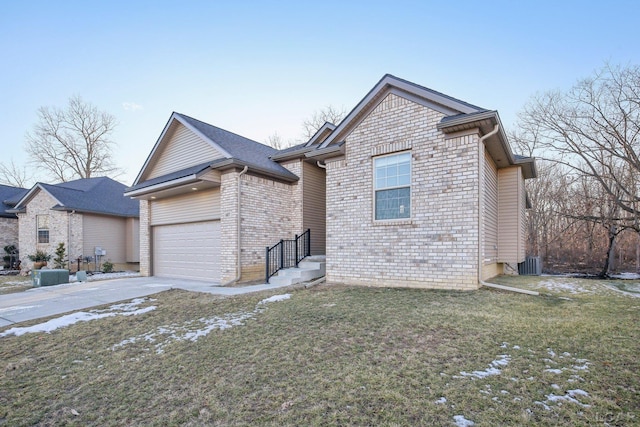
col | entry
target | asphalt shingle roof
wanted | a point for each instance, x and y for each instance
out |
(239, 147)
(100, 195)
(9, 196)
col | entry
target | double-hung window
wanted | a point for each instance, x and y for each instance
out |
(43, 228)
(392, 186)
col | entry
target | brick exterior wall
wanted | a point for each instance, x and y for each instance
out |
(8, 233)
(59, 230)
(145, 239)
(438, 246)
(270, 211)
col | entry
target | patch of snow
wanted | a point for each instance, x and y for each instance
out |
(505, 345)
(275, 298)
(626, 276)
(441, 401)
(553, 371)
(194, 329)
(565, 354)
(551, 352)
(126, 309)
(584, 367)
(461, 421)
(544, 405)
(504, 392)
(106, 276)
(516, 347)
(555, 386)
(570, 396)
(501, 361)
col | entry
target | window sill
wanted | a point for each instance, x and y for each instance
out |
(383, 222)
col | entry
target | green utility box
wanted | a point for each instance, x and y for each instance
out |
(49, 277)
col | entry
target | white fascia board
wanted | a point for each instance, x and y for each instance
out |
(162, 186)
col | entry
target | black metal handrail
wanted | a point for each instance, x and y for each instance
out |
(287, 253)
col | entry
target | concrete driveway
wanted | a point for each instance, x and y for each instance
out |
(51, 300)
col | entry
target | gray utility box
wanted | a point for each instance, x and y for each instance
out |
(49, 277)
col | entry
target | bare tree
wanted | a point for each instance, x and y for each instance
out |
(329, 114)
(591, 133)
(14, 175)
(276, 141)
(73, 142)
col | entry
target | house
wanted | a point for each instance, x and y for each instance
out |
(84, 214)
(9, 220)
(413, 188)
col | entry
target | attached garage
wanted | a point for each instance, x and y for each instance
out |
(186, 236)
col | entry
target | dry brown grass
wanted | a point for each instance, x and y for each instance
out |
(336, 355)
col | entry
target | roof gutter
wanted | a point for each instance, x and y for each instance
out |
(239, 234)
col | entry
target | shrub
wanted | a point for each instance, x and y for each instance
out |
(107, 267)
(59, 261)
(39, 256)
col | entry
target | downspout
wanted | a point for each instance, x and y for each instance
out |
(69, 239)
(480, 208)
(239, 234)
(320, 165)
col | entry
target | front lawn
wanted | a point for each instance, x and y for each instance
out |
(10, 284)
(335, 355)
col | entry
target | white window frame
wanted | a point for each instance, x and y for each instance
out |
(42, 226)
(377, 180)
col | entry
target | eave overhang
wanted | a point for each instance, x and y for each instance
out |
(336, 150)
(497, 145)
(203, 176)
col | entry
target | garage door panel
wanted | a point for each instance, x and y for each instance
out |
(189, 251)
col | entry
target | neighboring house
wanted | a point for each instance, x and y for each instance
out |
(9, 220)
(84, 214)
(412, 188)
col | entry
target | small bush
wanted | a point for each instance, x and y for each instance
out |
(107, 267)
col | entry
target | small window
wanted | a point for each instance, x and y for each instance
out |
(43, 228)
(393, 186)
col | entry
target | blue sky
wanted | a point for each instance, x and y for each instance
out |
(256, 68)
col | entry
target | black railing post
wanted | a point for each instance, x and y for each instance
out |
(308, 243)
(268, 269)
(281, 254)
(296, 249)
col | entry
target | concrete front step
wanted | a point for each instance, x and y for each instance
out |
(308, 269)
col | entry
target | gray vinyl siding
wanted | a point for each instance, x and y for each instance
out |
(107, 232)
(314, 206)
(490, 210)
(133, 240)
(511, 215)
(190, 207)
(184, 149)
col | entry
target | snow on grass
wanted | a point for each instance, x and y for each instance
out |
(493, 369)
(441, 401)
(461, 421)
(569, 396)
(124, 309)
(626, 276)
(565, 285)
(194, 329)
(105, 276)
(567, 364)
(275, 298)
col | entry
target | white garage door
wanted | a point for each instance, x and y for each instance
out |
(187, 251)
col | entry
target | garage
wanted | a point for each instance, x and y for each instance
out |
(188, 251)
(186, 236)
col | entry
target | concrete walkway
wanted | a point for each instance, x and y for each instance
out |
(51, 300)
